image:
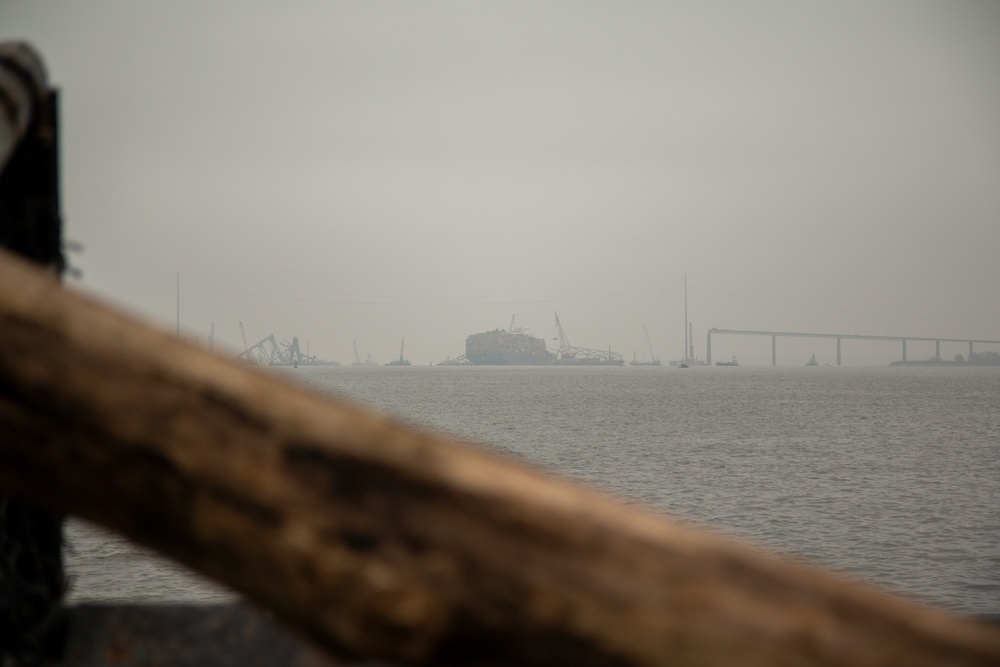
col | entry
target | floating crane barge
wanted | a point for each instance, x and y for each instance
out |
(581, 356)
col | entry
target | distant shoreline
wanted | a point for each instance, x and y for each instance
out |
(942, 362)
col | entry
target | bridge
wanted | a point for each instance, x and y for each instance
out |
(839, 337)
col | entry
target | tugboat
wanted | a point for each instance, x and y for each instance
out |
(812, 361)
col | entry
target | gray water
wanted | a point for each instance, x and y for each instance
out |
(890, 475)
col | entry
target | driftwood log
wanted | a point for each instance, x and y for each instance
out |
(32, 583)
(377, 540)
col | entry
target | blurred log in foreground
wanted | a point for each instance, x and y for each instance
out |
(372, 539)
(31, 574)
(376, 540)
(183, 636)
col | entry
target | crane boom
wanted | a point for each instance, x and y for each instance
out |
(563, 341)
(652, 356)
(246, 348)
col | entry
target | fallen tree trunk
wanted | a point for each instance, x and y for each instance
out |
(377, 540)
(32, 583)
(181, 635)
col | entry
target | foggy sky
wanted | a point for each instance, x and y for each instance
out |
(371, 171)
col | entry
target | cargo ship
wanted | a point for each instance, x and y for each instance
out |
(506, 348)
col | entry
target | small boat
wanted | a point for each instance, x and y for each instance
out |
(728, 363)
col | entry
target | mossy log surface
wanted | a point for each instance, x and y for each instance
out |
(377, 540)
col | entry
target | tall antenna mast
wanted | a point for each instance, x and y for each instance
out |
(686, 342)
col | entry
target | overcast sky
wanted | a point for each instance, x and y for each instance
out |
(371, 171)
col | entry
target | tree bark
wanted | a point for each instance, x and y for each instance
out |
(378, 540)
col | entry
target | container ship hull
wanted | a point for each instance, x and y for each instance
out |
(504, 359)
(590, 361)
(501, 348)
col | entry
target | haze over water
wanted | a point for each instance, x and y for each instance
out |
(891, 475)
(373, 171)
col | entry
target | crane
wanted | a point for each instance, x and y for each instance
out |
(357, 360)
(652, 355)
(402, 361)
(513, 328)
(564, 346)
(246, 348)
(653, 361)
(582, 355)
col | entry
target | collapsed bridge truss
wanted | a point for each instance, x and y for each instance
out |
(269, 353)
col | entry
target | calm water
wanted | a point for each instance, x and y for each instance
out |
(887, 474)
